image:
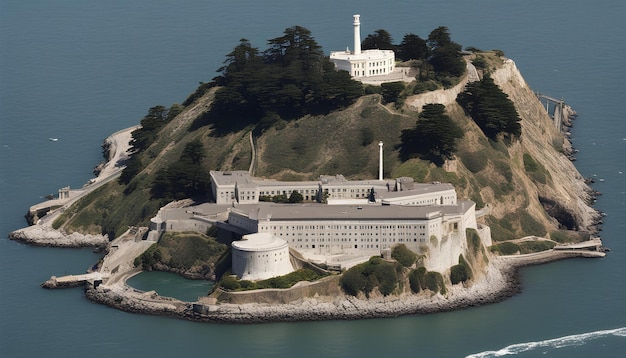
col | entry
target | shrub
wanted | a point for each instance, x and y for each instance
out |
(369, 275)
(474, 161)
(535, 170)
(417, 279)
(391, 91)
(403, 255)
(479, 62)
(563, 236)
(505, 248)
(148, 258)
(425, 86)
(461, 272)
(530, 225)
(536, 246)
(352, 281)
(473, 240)
(434, 282)
(230, 283)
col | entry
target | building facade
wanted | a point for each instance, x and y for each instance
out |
(318, 230)
(260, 256)
(362, 64)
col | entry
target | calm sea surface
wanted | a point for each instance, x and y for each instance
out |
(80, 70)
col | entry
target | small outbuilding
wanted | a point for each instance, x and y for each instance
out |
(260, 256)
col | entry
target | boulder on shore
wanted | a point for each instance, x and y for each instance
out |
(41, 235)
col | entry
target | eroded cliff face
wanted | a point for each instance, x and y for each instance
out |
(547, 145)
(561, 202)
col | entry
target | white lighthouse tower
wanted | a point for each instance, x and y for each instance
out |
(357, 35)
(367, 63)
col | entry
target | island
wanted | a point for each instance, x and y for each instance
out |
(375, 182)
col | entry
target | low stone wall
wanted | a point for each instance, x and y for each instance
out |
(328, 286)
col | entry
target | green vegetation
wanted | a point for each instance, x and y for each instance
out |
(525, 247)
(536, 246)
(380, 39)
(505, 248)
(403, 255)
(475, 162)
(417, 279)
(528, 224)
(501, 229)
(369, 275)
(535, 170)
(473, 241)
(185, 178)
(290, 79)
(434, 282)
(568, 236)
(231, 283)
(149, 257)
(438, 59)
(391, 91)
(461, 272)
(295, 197)
(412, 47)
(186, 251)
(143, 137)
(434, 137)
(491, 109)
(445, 54)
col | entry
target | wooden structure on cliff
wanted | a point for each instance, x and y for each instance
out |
(560, 112)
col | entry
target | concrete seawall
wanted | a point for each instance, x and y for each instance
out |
(498, 283)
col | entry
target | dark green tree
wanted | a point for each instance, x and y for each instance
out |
(295, 197)
(193, 152)
(434, 137)
(288, 80)
(142, 138)
(491, 109)
(380, 39)
(296, 46)
(391, 90)
(185, 178)
(243, 60)
(445, 54)
(412, 47)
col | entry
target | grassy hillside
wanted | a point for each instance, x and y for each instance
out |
(510, 178)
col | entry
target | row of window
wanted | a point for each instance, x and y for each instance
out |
(342, 227)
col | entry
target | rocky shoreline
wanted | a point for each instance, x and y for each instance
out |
(501, 281)
(43, 235)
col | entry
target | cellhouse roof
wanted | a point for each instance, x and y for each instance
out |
(259, 242)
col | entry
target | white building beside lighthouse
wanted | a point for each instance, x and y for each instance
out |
(362, 64)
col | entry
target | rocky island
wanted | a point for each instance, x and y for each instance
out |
(276, 165)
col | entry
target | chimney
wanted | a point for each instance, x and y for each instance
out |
(357, 35)
(380, 161)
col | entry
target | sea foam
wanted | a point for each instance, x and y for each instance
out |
(555, 343)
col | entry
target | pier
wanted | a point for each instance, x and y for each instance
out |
(95, 278)
(560, 112)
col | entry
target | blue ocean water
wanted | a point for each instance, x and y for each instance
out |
(80, 70)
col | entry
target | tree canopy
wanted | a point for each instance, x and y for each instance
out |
(434, 137)
(291, 78)
(490, 108)
(143, 137)
(445, 54)
(185, 178)
(412, 47)
(380, 39)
